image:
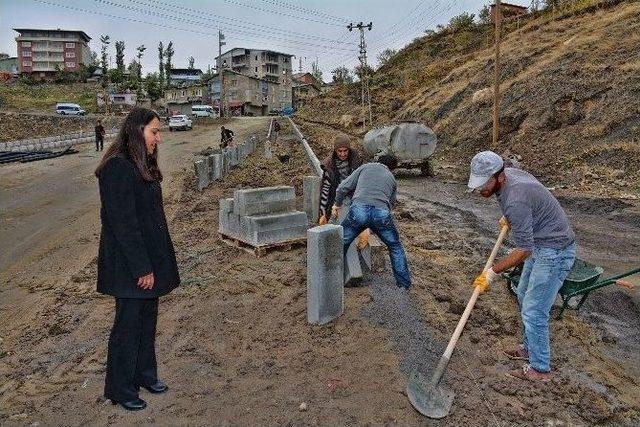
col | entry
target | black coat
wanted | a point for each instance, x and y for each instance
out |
(134, 240)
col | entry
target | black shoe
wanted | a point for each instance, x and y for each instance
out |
(132, 405)
(157, 388)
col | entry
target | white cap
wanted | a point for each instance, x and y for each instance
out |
(483, 166)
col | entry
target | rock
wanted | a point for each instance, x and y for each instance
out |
(303, 407)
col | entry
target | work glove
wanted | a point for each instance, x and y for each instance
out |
(504, 222)
(334, 211)
(484, 280)
(322, 220)
(363, 239)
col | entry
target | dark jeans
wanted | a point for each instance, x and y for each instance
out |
(131, 357)
(99, 143)
(380, 221)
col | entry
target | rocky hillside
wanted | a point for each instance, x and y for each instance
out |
(570, 104)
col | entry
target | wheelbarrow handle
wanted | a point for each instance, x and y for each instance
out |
(605, 282)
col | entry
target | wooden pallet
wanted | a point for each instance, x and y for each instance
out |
(263, 249)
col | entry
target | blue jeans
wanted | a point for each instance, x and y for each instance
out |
(380, 221)
(542, 277)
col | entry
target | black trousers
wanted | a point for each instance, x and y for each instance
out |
(99, 143)
(131, 357)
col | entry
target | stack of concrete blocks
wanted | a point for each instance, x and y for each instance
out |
(51, 142)
(325, 286)
(262, 216)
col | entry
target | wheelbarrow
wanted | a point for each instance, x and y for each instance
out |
(581, 281)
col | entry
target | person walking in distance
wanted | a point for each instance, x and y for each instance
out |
(99, 129)
(136, 259)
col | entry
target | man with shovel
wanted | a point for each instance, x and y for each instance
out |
(545, 242)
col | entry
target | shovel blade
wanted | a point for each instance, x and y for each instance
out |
(431, 400)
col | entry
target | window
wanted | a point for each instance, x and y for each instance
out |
(70, 45)
(256, 60)
(70, 64)
(26, 44)
(70, 55)
(26, 63)
(26, 53)
(256, 69)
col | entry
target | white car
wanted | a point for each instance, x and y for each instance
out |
(180, 122)
(66, 108)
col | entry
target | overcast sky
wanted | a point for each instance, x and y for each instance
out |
(307, 29)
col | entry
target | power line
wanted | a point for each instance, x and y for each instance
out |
(237, 3)
(140, 21)
(200, 23)
(198, 14)
(305, 10)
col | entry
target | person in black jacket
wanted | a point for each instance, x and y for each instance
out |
(136, 260)
(226, 137)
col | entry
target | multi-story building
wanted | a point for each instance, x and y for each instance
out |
(179, 100)
(305, 86)
(247, 95)
(185, 76)
(263, 65)
(43, 52)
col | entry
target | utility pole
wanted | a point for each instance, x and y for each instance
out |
(364, 78)
(221, 73)
(496, 79)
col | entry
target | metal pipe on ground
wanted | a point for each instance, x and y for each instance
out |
(313, 159)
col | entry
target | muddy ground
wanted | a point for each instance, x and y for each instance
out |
(233, 341)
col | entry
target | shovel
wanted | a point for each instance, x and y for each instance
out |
(428, 396)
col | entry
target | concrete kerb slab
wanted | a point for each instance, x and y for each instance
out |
(325, 287)
(217, 168)
(266, 200)
(202, 174)
(311, 197)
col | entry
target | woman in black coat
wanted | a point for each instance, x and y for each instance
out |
(136, 260)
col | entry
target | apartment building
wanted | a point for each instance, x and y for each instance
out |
(179, 100)
(263, 65)
(43, 52)
(248, 95)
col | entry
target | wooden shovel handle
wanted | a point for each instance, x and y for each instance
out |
(444, 360)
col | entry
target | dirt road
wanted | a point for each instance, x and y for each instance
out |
(235, 348)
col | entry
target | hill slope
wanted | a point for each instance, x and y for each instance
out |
(570, 97)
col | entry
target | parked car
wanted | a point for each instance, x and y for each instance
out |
(66, 108)
(203, 111)
(180, 121)
(275, 112)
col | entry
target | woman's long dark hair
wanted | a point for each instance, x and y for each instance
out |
(130, 144)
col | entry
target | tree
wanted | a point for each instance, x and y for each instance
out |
(316, 71)
(140, 49)
(191, 62)
(341, 75)
(104, 40)
(161, 63)
(462, 22)
(362, 72)
(484, 16)
(153, 86)
(168, 54)
(120, 55)
(385, 56)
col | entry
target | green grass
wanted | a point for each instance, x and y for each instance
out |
(43, 97)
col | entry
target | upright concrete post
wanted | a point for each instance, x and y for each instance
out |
(218, 167)
(202, 174)
(325, 286)
(311, 197)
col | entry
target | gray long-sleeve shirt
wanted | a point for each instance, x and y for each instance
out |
(371, 184)
(535, 215)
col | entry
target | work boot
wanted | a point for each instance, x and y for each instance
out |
(526, 372)
(518, 353)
